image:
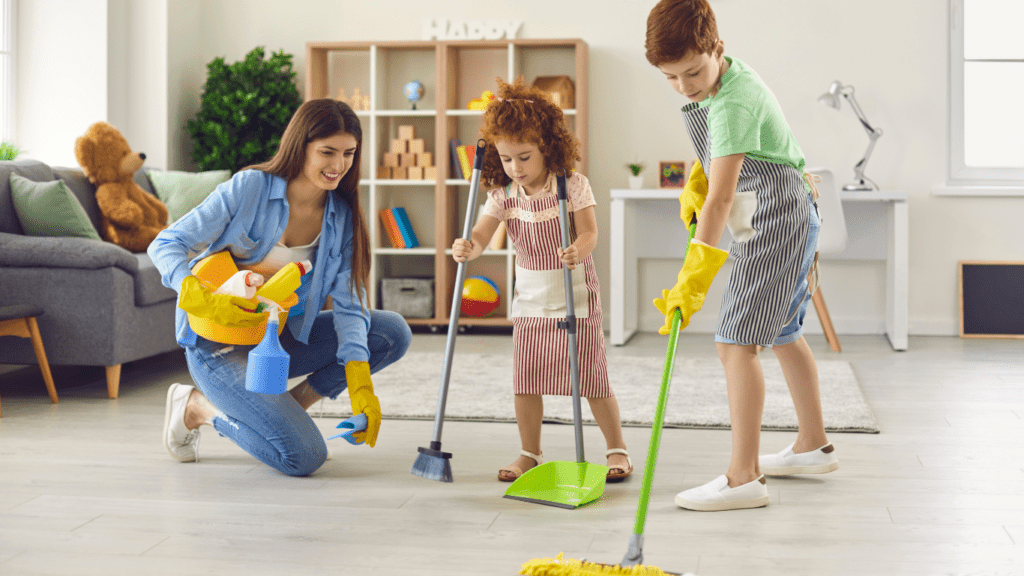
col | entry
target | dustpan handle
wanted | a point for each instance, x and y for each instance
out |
(570, 322)
(659, 413)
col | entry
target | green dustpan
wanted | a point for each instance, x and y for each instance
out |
(564, 484)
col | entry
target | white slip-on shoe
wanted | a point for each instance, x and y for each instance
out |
(716, 496)
(787, 462)
(181, 443)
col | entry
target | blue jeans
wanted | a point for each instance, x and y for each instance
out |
(794, 328)
(273, 427)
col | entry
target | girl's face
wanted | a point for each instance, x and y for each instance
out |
(696, 75)
(524, 164)
(328, 160)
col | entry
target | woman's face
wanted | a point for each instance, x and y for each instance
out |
(524, 164)
(328, 160)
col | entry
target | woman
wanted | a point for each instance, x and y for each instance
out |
(302, 204)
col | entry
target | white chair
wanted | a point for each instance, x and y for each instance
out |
(831, 240)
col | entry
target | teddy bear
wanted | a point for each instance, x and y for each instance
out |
(130, 216)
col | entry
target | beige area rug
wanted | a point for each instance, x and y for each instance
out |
(481, 390)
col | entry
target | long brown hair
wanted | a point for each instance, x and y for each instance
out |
(316, 120)
(526, 114)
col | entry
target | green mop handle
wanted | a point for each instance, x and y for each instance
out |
(659, 413)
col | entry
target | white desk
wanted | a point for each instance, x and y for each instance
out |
(877, 224)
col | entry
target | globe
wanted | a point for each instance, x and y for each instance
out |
(414, 91)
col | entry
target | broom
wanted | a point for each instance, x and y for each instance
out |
(432, 463)
(631, 563)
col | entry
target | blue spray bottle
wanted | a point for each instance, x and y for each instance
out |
(267, 371)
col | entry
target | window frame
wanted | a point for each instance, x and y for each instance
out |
(8, 131)
(959, 173)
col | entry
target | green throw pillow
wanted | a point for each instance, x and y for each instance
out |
(50, 209)
(183, 191)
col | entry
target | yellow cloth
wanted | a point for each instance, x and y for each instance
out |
(364, 401)
(197, 299)
(694, 194)
(699, 269)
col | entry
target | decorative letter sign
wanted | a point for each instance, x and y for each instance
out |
(445, 29)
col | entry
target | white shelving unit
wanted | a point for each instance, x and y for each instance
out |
(453, 73)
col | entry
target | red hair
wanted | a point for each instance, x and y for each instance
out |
(675, 27)
(526, 115)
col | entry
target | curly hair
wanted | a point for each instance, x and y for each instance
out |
(675, 27)
(525, 114)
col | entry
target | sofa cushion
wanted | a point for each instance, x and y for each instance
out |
(31, 169)
(149, 289)
(49, 209)
(183, 191)
(85, 191)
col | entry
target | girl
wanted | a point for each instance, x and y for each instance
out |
(528, 143)
(302, 204)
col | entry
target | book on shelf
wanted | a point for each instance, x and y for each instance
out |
(471, 154)
(454, 154)
(405, 227)
(467, 168)
(387, 220)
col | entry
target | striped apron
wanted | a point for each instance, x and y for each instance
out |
(540, 349)
(769, 223)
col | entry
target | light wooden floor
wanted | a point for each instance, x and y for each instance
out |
(86, 487)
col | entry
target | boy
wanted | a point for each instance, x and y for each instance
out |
(755, 186)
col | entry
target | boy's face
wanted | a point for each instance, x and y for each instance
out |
(523, 163)
(695, 75)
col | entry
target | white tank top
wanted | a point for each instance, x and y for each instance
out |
(282, 255)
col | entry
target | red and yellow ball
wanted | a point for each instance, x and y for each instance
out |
(480, 296)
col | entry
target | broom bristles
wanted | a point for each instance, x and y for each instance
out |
(432, 468)
(559, 566)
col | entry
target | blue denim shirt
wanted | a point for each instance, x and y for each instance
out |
(247, 215)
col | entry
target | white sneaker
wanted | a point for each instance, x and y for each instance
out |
(787, 462)
(716, 495)
(181, 443)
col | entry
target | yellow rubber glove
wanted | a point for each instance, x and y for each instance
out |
(699, 269)
(198, 299)
(364, 401)
(694, 194)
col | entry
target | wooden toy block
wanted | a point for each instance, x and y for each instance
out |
(400, 173)
(406, 132)
(407, 159)
(417, 146)
(424, 159)
(399, 146)
(415, 173)
(391, 159)
(430, 173)
(383, 172)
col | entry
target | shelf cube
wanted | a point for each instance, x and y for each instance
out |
(406, 132)
(400, 173)
(424, 159)
(430, 173)
(408, 159)
(383, 172)
(399, 146)
(417, 146)
(391, 159)
(415, 173)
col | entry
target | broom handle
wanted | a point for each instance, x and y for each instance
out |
(659, 413)
(570, 322)
(460, 278)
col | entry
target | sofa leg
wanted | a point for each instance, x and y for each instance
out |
(113, 380)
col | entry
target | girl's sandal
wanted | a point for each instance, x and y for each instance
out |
(623, 473)
(516, 470)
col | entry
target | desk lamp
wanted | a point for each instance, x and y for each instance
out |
(831, 98)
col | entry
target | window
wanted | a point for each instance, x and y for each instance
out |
(986, 60)
(7, 70)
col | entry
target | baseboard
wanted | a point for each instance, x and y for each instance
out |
(843, 324)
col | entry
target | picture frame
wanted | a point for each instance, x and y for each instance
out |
(673, 174)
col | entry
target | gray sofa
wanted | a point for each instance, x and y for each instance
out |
(103, 305)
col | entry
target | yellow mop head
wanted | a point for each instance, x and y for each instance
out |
(568, 567)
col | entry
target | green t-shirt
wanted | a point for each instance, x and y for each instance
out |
(744, 117)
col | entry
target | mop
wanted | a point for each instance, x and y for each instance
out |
(432, 463)
(632, 562)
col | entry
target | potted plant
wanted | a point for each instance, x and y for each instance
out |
(9, 150)
(636, 181)
(245, 108)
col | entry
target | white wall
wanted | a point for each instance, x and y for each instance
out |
(893, 51)
(62, 75)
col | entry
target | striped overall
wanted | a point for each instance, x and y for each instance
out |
(540, 348)
(769, 222)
